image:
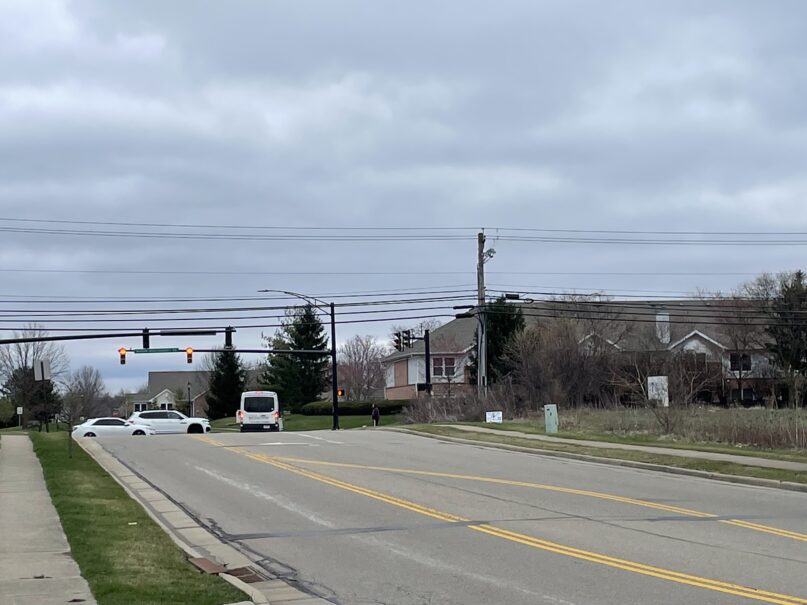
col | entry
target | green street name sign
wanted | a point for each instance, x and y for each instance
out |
(168, 350)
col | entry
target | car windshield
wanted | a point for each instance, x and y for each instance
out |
(259, 404)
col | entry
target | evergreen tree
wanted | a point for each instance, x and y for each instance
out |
(38, 398)
(297, 378)
(502, 322)
(227, 381)
(789, 347)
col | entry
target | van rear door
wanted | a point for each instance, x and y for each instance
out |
(260, 409)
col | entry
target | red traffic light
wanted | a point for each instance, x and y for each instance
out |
(122, 353)
(189, 353)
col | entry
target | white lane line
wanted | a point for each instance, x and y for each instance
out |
(285, 443)
(321, 439)
(255, 490)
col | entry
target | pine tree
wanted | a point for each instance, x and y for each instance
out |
(502, 322)
(297, 378)
(227, 381)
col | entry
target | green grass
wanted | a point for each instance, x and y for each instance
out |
(713, 466)
(300, 422)
(52, 426)
(123, 554)
(650, 440)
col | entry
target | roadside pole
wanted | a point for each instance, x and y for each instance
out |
(334, 377)
(428, 355)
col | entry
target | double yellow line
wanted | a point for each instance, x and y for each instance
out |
(524, 539)
(783, 533)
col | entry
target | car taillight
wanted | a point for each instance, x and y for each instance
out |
(277, 415)
(240, 413)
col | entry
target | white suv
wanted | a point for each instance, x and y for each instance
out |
(170, 421)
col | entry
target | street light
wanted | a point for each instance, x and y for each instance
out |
(330, 309)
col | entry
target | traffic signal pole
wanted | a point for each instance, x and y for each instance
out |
(428, 355)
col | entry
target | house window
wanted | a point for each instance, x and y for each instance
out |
(139, 407)
(166, 406)
(443, 367)
(740, 362)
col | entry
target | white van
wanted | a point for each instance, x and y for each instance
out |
(259, 411)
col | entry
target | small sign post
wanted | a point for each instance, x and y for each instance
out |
(19, 415)
(495, 417)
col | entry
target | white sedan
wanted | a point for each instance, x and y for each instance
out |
(170, 421)
(106, 427)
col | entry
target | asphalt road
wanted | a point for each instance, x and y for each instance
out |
(372, 516)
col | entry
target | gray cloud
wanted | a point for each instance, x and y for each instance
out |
(566, 114)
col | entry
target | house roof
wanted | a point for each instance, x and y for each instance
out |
(693, 334)
(457, 336)
(178, 381)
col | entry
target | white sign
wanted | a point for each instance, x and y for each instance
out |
(658, 391)
(493, 417)
(19, 411)
(41, 370)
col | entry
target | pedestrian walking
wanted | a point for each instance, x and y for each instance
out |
(375, 415)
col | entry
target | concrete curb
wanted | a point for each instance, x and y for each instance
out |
(738, 479)
(192, 538)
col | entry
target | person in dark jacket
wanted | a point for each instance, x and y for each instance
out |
(375, 415)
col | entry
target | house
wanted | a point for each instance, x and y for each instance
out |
(182, 390)
(734, 352)
(450, 346)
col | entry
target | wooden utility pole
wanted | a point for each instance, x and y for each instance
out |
(481, 353)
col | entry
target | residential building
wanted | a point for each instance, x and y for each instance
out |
(450, 346)
(712, 333)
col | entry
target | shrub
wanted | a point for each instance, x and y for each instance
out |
(353, 408)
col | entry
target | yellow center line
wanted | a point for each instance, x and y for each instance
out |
(527, 540)
(784, 533)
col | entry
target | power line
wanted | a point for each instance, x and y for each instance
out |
(355, 238)
(393, 228)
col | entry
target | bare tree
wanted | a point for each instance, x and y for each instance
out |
(360, 368)
(23, 355)
(85, 390)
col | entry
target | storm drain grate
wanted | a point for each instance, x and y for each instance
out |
(207, 566)
(245, 574)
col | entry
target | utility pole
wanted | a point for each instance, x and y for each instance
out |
(481, 353)
(334, 378)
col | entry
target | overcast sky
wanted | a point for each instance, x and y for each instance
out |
(568, 114)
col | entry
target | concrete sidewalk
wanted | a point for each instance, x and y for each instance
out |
(651, 449)
(36, 567)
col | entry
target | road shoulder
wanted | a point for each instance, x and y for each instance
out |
(198, 542)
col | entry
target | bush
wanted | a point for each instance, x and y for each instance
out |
(353, 408)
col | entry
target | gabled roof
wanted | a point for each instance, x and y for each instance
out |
(457, 336)
(692, 334)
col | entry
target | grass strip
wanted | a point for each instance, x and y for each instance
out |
(649, 440)
(712, 466)
(301, 422)
(125, 557)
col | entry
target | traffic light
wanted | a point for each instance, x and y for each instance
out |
(407, 338)
(228, 337)
(397, 341)
(340, 392)
(146, 338)
(122, 353)
(189, 354)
